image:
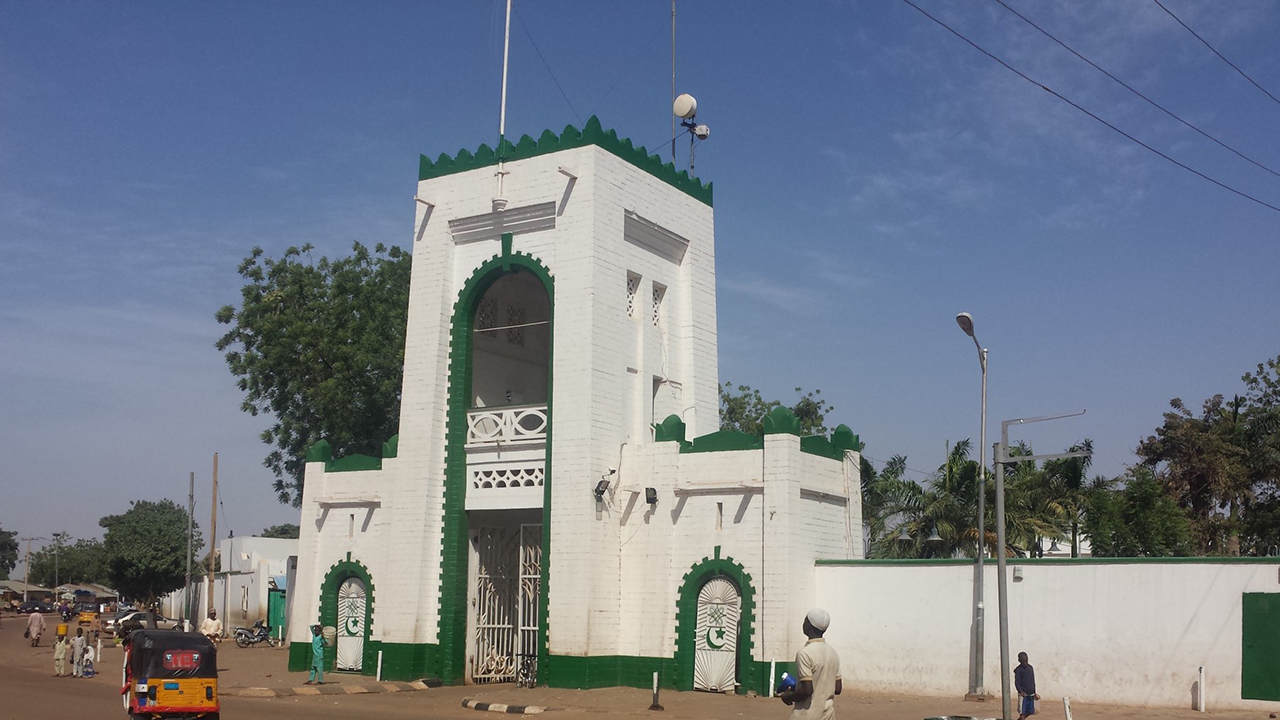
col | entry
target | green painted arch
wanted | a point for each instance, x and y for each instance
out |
(687, 619)
(452, 637)
(338, 574)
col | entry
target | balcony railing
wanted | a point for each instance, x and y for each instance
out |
(507, 424)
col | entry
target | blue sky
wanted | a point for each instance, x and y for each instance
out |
(874, 175)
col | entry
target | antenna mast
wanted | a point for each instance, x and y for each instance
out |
(673, 80)
(500, 202)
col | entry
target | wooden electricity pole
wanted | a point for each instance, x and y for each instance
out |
(26, 580)
(213, 533)
(186, 588)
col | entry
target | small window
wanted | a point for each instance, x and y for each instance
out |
(515, 318)
(633, 288)
(658, 293)
(487, 317)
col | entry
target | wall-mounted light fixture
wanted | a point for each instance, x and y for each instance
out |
(600, 489)
(651, 495)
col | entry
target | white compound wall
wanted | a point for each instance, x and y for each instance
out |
(1125, 632)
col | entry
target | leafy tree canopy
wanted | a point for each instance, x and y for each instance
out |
(743, 410)
(8, 552)
(146, 549)
(319, 346)
(287, 531)
(1138, 520)
(78, 561)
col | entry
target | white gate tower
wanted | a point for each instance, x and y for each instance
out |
(560, 505)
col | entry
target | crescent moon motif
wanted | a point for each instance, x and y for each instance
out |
(710, 643)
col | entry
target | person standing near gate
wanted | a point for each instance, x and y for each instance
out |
(317, 658)
(817, 673)
(1024, 681)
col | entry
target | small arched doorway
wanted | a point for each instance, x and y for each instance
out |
(719, 609)
(353, 603)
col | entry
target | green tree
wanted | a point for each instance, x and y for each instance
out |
(935, 519)
(1202, 464)
(1069, 478)
(1137, 520)
(287, 531)
(8, 552)
(146, 549)
(743, 409)
(319, 346)
(75, 562)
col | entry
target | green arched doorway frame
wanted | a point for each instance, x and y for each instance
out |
(340, 572)
(687, 619)
(453, 567)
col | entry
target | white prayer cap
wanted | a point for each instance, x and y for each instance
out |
(819, 619)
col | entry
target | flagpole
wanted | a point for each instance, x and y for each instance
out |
(502, 113)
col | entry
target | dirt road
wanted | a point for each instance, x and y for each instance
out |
(30, 691)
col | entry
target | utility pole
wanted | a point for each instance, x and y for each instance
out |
(673, 80)
(1003, 458)
(186, 588)
(26, 580)
(213, 533)
(57, 553)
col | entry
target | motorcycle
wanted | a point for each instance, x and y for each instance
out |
(252, 636)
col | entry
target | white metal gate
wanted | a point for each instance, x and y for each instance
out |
(716, 643)
(508, 582)
(352, 602)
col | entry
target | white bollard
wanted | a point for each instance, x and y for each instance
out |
(1200, 691)
(773, 668)
(379, 666)
(1066, 707)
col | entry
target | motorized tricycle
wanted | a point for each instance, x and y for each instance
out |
(170, 674)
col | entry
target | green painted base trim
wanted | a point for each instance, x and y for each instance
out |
(299, 657)
(587, 673)
(406, 661)
(1069, 561)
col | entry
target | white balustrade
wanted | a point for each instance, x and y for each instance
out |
(513, 424)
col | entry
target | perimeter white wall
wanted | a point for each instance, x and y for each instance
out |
(1121, 633)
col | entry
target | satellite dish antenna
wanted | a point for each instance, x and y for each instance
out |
(685, 106)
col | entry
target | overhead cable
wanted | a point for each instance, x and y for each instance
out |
(1126, 86)
(1215, 52)
(1061, 97)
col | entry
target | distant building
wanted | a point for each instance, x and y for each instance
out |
(560, 502)
(249, 585)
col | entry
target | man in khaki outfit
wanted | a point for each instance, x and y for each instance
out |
(817, 673)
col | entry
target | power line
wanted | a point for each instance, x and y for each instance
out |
(1215, 52)
(631, 64)
(1126, 86)
(548, 67)
(1133, 139)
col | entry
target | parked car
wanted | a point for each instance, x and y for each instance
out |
(31, 606)
(139, 620)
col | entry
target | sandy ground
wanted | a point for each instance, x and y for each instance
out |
(31, 691)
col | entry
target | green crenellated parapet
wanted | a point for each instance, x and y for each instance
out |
(591, 134)
(781, 420)
(724, 440)
(844, 439)
(322, 451)
(670, 430)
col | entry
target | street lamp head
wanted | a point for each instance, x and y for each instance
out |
(965, 321)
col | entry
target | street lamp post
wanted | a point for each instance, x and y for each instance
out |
(965, 321)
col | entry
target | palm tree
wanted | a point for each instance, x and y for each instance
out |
(1070, 476)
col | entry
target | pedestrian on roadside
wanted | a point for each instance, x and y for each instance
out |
(317, 658)
(35, 628)
(817, 673)
(86, 663)
(1024, 681)
(211, 627)
(77, 653)
(60, 656)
